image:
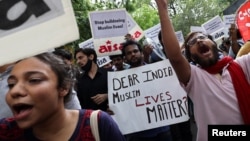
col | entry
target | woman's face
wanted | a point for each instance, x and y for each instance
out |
(33, 95)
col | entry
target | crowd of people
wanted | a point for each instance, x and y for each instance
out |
(49, 97)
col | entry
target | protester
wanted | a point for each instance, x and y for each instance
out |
(38, 88)
(107, 65)
(118, 62)
(152, 51)
(4, 73)
(68, 58)
(92, 85)
(235, 39)
(217, 87)
(225, 46)
(132, 51)
(5, 111)
(180, 131)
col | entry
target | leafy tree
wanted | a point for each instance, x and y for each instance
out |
(184, 13)
(146, 16)
(81, 8)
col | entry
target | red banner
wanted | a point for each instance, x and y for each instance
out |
(243, 20)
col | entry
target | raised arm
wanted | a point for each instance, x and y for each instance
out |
(171, 44)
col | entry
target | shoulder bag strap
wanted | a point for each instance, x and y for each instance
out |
(94, 124)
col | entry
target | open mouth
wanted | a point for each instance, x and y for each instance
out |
(203, 49)
(20, 108)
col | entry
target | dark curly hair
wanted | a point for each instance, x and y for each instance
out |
(187, 47)
(61, 69)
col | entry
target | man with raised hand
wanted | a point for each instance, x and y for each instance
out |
(219, 87)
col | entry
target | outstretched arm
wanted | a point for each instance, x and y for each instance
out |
(171, 44)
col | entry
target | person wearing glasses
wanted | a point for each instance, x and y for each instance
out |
(218, 87)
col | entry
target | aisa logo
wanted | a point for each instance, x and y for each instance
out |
(219, 34)
(109, 47)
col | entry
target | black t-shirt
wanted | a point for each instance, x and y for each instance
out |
(88, 87)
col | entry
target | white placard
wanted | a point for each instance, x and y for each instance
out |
(101, 61)
(134, 29)
(108, 29)
(213, 24)
(108, 23)
(197, 29)
(87, 44)
(228, 20)
(153, 32)
(27, 29)
(146, 97)
(180, 37)
(219, 34)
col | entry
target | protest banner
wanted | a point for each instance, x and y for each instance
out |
(243, 20)
(197, 29)
(146, 97)
(102, 61)
(108, 29)
(87, 44)
(151, 39)
(216, 28)
(153, 32)
(28, 28)
(108, 33)
(228, 20)
(180, 37)
(134, 29)
(151, 35)
(213, 24)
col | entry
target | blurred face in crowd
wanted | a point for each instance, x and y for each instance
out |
(33, 94)
(203, 51)
(107, 66)
(118, 62)
(133, 55)
(81, 59)
(85, 62)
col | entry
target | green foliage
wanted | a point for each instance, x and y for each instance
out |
(146, 16)
(184, 13)
(195, 12)
(81, 9)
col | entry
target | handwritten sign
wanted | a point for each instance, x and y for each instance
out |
(243, 20)
(29, 28)
(213, 24)
(146, 97)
